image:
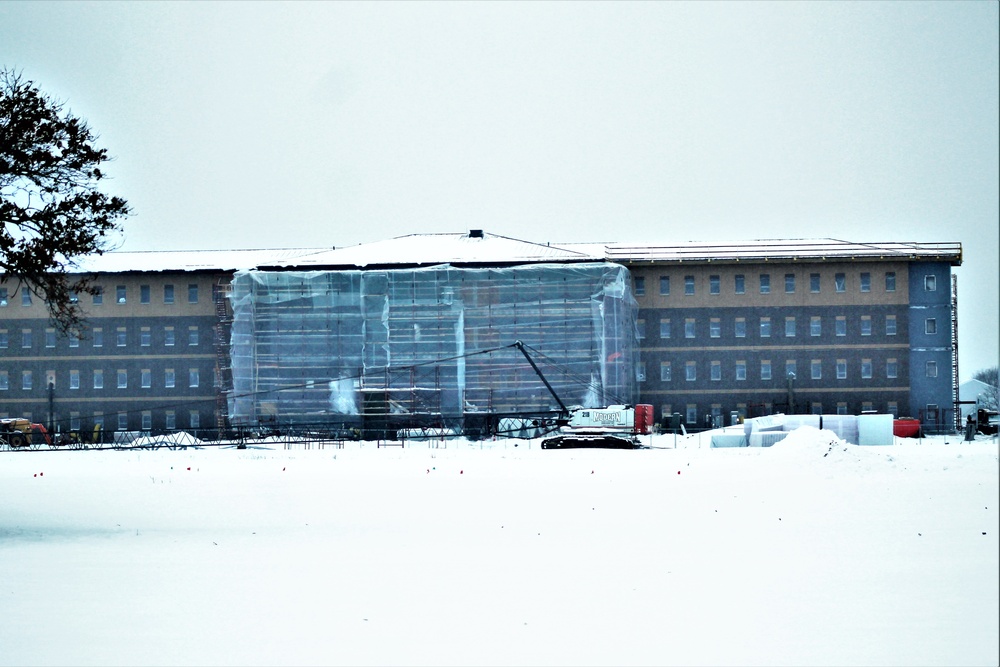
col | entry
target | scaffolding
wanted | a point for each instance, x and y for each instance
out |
(428, 347)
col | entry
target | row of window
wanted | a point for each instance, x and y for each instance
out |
(765, 326)
(715, 416)
(122, 422)
(791, 370)
(145, 379)
(840, 283)
(97, 337)
(121, 295)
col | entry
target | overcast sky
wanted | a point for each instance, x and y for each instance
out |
(330, 124)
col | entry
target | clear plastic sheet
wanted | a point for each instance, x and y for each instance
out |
(429, 346)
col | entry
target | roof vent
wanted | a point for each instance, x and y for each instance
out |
(475, 233)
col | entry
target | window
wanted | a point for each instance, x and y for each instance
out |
(866, 282)
(816, 408)
(640, 286)
(640, 326)
(691, 413)
(790, 327)
(193, 378)
(25, 297)
(931, 369)
(765, 327)
(74, 339)
(170, 420)
(26, 380)
(866, 325)
(689, 327)
(3, 297)
(664, 285)
(50, 338)
(192, 293)
(665, 328)
(715, 370)
(122, 421)
(890, 325)
(741, 327)
(765, 283)
(98, 296)
(98, 379)
(145, 337)
(168, 336)
(816, 369)
(4, 381)
(930, 325)
(814, 283)
(688, 285)
(866, 406)
(691, 371)
(122, 378)
(665, 371)
(715, 327)
(4, 339)
(146, 378)
(891, 368)
(168, 378)
(640, 371)
(866, 369)
(765, 369)
(789, 283)
(120, 293)
(739, 284)
(714, 284)
(741, 370)
(892, 408)
(194, 419)
(840, 282)
(98, 334)
(930, 283)
(841, 325)
(168, 294)
(147, 420)
(841, 408)
(890, 281)
(143, 293)
(192, 335)
(74, 379)
(841, 369)
(790, 368)
(815, 326)
(26, 338)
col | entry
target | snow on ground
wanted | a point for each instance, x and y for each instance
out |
(810, 552)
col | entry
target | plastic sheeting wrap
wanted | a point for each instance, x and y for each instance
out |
(355, 346)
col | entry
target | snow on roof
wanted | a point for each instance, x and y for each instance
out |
(474, 247)
(478, 247)
(771, 249)
(188, 260)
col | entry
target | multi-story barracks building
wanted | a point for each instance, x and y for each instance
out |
(419, 329)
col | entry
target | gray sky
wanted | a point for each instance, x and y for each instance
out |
(331, 124)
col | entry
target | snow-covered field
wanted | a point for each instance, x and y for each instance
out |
(810, 552)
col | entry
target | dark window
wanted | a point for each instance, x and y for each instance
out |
(739, 284)
(814, 282)
(664, 285)
(765, 283)
(789, 283)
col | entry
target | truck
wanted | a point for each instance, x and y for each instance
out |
(614, 426)
(20, 432)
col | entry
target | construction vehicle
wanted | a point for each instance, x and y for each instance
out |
(616, 426)
(17, 433)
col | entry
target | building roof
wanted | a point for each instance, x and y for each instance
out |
(784, 249)
(479, 248)
(474, 247)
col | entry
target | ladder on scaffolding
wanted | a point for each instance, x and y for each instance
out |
(954, 351)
